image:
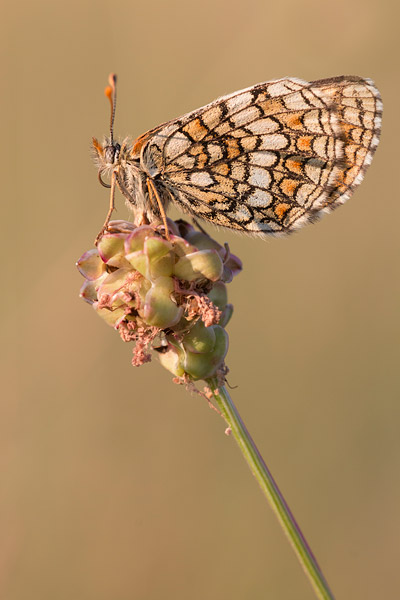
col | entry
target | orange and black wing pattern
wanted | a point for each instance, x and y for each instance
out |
(269, 158)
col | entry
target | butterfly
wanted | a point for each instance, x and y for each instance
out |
(264, 160)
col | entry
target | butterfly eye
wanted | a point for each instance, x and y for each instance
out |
(111, 153)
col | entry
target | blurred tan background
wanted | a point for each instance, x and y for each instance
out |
(115, 483)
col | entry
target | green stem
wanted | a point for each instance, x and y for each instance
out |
(270, 490)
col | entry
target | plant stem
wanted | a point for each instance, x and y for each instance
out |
(270, 490)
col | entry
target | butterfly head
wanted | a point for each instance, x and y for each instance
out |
(106, 155)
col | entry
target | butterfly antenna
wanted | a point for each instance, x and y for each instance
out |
(111, 93)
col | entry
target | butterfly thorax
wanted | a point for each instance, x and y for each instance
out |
(121, 159)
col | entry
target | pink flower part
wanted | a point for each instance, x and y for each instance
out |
(202, 306)
(105, 301)
(140, 355)
(144, 338)
(127, 331)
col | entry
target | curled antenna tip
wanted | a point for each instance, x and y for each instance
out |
(111, 88)
(108, 91)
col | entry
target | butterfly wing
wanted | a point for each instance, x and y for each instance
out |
(271, 157)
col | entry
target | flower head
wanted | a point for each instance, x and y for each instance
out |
(168, 296)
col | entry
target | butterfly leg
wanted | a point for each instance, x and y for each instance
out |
(153, 191)
(110, 210)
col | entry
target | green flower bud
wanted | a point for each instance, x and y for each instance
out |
(88, 291)
(159, 308)
(111, 250)
(159, 255)
(112, 284)
(200, 339)
(204, 264)
(154, 259)
(135, 241)
(202, 241)
(172, 360)
(90, 265)
(201, 366)
(139, 261)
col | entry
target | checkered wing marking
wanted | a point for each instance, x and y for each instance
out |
(271, 157)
